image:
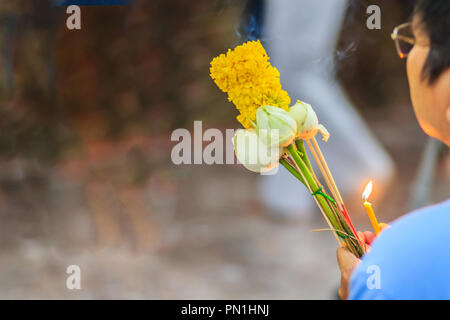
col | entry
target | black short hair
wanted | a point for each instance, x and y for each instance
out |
(435, 18)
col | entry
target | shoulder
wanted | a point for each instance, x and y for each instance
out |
(409, 259)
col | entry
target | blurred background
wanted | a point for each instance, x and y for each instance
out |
(85, 171)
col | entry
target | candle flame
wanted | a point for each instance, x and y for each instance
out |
(367, 191)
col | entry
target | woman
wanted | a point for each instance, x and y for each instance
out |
(411, 259)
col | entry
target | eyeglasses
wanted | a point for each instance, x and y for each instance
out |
(404, 39)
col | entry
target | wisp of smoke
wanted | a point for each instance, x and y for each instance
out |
(251, 27)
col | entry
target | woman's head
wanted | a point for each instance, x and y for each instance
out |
(428, 67)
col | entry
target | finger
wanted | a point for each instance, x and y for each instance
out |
(383, 226)
(370, 236)
(361, 236)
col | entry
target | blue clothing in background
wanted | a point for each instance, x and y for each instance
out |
(91, 2)
(410, 260)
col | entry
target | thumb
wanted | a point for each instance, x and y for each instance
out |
(347, 262)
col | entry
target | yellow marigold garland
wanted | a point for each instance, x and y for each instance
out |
(246, 74)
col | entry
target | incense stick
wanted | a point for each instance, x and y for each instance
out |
(324, 174)
(336, 193)
(327, 170)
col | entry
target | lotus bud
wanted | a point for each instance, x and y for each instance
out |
(307, 121)
(276, 128)
(253, 153)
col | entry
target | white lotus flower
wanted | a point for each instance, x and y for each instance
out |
(254, 154)
(275, 126)
(307, 121)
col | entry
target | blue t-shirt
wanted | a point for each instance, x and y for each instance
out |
(410, 260)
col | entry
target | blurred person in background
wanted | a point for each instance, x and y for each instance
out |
(409, 258)
(288, 26)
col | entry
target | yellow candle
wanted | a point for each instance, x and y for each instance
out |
(369, 209)
(372, 217)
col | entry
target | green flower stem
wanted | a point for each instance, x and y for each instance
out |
(312, 184)
(301, 147)
(292, 170)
